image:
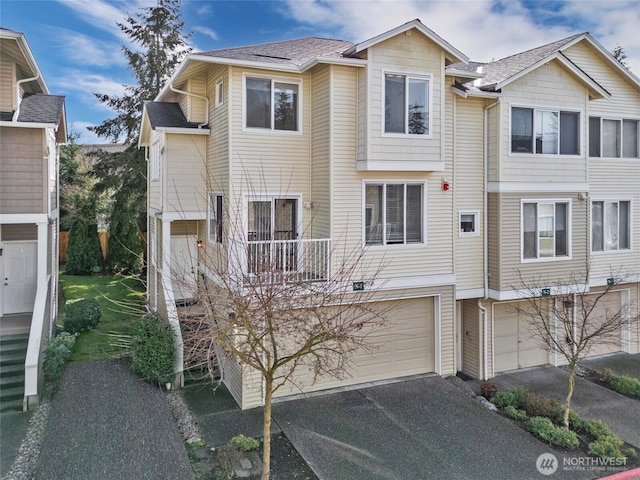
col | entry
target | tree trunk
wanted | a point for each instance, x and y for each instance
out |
(567, 407)
(266, 434)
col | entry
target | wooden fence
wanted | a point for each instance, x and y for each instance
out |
(63, 242)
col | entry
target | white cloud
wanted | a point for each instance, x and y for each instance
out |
(82, 85)
(483, 30)
(87, 50)
(86, 137)
(206, 31)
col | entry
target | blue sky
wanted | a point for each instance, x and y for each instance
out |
(77, 43)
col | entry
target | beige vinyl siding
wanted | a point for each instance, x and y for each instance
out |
(218, 144)
(405, 54)
(494, 141)
(194, 108)
(549, 86)
(363, 113)
(607, 307)
(155, 186)
(19, 232)
(616, 180)
(52, 177)
(184, 227)
(472, 339)
(321, 152)
(184, 176)
(634, 331)
(7, 83)
(493, 240)
(23, 171)
(467, 186)
(625, 98)
(556, 270)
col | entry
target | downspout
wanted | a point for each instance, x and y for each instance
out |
(18, 102)
(189, 94)
(485, 249)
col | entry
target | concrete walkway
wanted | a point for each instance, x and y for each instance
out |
(106, 424)
(620, 363)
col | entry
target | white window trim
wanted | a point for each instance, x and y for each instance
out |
(394, 246)
(541, 108)
(212, 237)
(569, 254)
(272, 131)
(476, 215)
(219, 100)
(618, 251)
(419, 76)
(617, 119)
(155, 161)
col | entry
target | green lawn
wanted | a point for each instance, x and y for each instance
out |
(120, 298)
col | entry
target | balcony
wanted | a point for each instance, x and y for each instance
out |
(272, 261)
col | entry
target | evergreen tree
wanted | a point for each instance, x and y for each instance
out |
(124, 254)
(84, 255)
(619, 55)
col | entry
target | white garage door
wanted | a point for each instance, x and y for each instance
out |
(405, 347)
(515, 345)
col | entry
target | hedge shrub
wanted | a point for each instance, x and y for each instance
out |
(606, 447)
(545, 430)
(245, 444)
(81, 314)
(153, 354)
(514, 398)
(512, 412)
(625, 385)
(56, 355)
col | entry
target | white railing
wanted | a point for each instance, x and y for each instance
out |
(174, 323)
(291, 260)
(38, 336)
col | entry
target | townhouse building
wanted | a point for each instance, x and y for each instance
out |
(460, 177)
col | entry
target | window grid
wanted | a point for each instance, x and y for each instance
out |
(215, 212)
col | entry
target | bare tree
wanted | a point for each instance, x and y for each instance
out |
(569, 318)
(278, 308)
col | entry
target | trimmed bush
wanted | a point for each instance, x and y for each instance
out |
(597, 429)
(515, 414)
(246, 444)
(545, 430)
(541, 406)
(81, 314)
(488, 389)
(56, 355)
(606, 447)
(153, 354)
(625, 385)
(514, 397)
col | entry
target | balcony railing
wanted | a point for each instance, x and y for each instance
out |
(288, 260)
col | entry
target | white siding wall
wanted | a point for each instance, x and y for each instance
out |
(7, 83)
(155, 186)
(184, 177)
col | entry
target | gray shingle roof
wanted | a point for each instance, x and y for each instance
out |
(166, 114)
(290, 52)
(41, 108)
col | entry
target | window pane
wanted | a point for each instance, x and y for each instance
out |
(594, 136)
(259, 221)
(212, 217)
(373, 215)
(395, 213)
(258, 103)
(546, 132)
(285, 106)
(414, 213)
(418, 106)
(522, 130)
(569, 133)
(597, 238)
(611, 226)
(529, 240)
(219, 218)
(467, 223)
(625, 225)
(561, 229)
(394, 104)
(630, 138)
(611, 138)
(546, 230)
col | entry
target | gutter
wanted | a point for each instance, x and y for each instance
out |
(18, 83)
(189, 94)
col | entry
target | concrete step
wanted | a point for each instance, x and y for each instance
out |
(12, 370)
(14, 338)
(13, 393)
(11, 406)
(12, 381)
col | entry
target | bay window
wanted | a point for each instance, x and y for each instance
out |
(545, 229)
(393, 213)
(406, 104)
(610, 225)
(546, 132)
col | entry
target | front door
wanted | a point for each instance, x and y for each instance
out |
(19, 277)
(184, 259)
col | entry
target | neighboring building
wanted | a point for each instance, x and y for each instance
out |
(445, 169)
(32, 125)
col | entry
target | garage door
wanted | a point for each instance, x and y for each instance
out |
(515, 346)
(405, 347)
(608, 305)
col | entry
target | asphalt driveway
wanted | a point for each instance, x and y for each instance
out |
(424, 428)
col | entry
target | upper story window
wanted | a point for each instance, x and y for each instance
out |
(613, 138)
(271, 104)
(546, 132)
(215, 217)
(610, 225)
(393, 213)
(406, 104)
(545, 229)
